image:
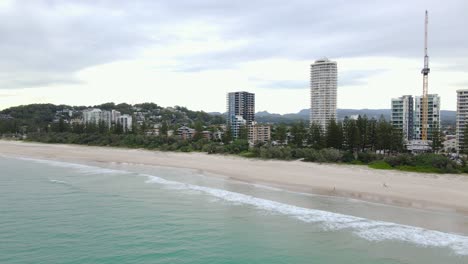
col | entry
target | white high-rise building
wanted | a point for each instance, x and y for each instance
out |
(402, 116)
(462, 117)
(433, 115)
(323, 90)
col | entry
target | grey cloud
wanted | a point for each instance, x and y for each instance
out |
(46, 42)
(55, 39)
(285, 84)
(355, 78)
(347, 78)
(338, 29)
(461, 84)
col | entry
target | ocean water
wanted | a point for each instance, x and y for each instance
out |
(62, 212)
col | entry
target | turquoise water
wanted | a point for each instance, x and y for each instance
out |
(59, 212)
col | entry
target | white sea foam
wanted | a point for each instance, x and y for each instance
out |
(57, 181)
(85, 169)
(368, 229)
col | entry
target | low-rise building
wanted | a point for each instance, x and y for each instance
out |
(419, 146)
(186, 132)
(115, 116)
(259, 133)
(152, 132)
(126, 122)
(207, 134)
(450, 145)
(97, 116)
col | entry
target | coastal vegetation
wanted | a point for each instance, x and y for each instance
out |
(361, 141)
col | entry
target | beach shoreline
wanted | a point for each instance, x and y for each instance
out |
(444, 193)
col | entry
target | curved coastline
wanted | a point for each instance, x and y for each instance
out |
(437, 192)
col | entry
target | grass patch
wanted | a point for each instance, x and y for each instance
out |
(247, 154)
(356, 162)
(380, 165)
(419, 169)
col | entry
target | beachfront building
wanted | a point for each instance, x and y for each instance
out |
(240, 111)
(402, 115)
(237, 123)
(450, 144)
(433, 115)
(323, 91)
(259, 133)
(115, 116)
(462, 117)
(97, 116)
(125, 121)
(185, 132)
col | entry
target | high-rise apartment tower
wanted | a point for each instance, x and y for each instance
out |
(403, 115)
(462, 118)
(240, 111)
(433, 115)
(323, 90)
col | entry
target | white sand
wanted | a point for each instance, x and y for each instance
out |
(429, 191)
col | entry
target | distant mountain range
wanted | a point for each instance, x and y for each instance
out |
(447, 117)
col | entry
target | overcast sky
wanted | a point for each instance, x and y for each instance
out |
(192, 52)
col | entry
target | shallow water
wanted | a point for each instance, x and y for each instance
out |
(61, 212)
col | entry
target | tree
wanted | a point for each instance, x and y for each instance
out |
(198, 131)
(334, 135)
(243, 132)
(60, 127)
(396, 139)
(280, 133)
(164, 129)
(351, 135)
(118, 128)
(383, 135)
(362, 124)
(371, 133)
(316, 138)
(436, 138)
(103, 127)
(227, 136)
(299, 134)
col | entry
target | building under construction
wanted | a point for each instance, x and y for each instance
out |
(426, 109)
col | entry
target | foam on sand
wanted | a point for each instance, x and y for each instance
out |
(365, 228)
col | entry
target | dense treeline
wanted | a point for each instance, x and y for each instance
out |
(351, 135)
(352, 141)
(40, 117)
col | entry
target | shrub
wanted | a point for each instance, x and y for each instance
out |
(380, 165)
(366, 157)
(330, 155)
(348, 157)
(311, 155)
(248, 154)
(272, 152)
(400, 160)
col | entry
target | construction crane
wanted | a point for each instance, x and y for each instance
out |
(425, 72)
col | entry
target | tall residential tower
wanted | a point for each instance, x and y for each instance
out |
(323, 89)
(433, 116)
(240, 111)
(403, 115)
(462, 118)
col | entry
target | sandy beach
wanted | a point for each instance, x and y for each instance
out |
(426, 191)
